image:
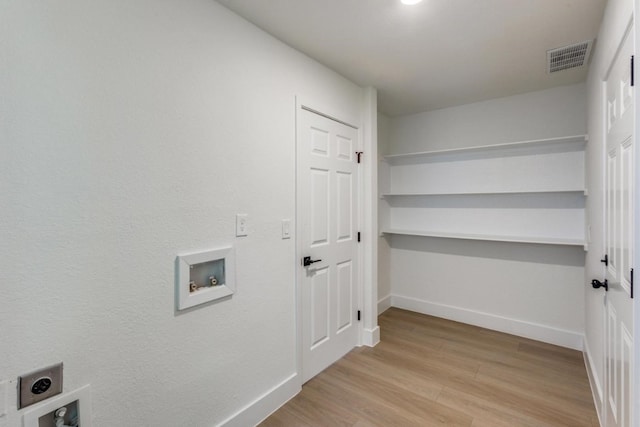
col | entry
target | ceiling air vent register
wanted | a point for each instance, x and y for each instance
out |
(564, 58)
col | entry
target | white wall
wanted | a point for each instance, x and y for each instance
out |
(530, 290)
(612, 29)
(134, 131)
(535, 115)
(384, 248)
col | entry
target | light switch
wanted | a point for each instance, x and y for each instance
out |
(286, 228)
(241, 224)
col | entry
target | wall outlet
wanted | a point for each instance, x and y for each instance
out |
(39, 385)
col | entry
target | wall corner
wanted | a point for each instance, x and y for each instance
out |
(369, 214)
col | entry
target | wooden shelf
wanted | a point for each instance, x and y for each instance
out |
(493, 238)
(578, 140)
(472, 193)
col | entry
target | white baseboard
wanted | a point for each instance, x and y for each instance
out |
(548, 334)
(371, 337)
(592, 374)
(266, 404)
(383, 304)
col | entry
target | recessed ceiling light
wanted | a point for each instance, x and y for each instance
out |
(410, 2)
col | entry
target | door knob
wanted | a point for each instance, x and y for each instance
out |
(598, 284)
(307, 261)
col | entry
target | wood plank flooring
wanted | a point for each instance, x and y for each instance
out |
(428, 371)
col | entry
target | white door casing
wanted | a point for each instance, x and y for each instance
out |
(619, 237)
(327, 223)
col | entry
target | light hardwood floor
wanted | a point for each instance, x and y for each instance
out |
(428, 371)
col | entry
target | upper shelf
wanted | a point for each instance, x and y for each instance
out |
(471, 193)
(575, 140)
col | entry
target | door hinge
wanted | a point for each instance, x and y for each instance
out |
(631, 283)
(359, 155)
(359, 315)
(632, 70)
(358, 236)
(605, 260)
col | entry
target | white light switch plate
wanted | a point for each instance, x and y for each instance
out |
(286, 228)
(241, 225)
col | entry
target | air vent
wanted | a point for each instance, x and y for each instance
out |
(564, 58)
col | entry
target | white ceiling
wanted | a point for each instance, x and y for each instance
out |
(437, 54)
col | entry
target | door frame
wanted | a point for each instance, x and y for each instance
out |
(367, 188)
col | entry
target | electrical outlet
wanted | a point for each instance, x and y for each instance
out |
(39, 385)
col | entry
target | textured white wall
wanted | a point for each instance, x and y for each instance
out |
(535, 115)
(539, 289)
(133, 131)
(612, 29)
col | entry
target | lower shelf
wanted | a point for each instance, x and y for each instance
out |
(493, 238)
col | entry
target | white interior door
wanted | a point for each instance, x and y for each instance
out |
(619, 229)
(327, 197)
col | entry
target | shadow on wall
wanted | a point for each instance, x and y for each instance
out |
(524, 252)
